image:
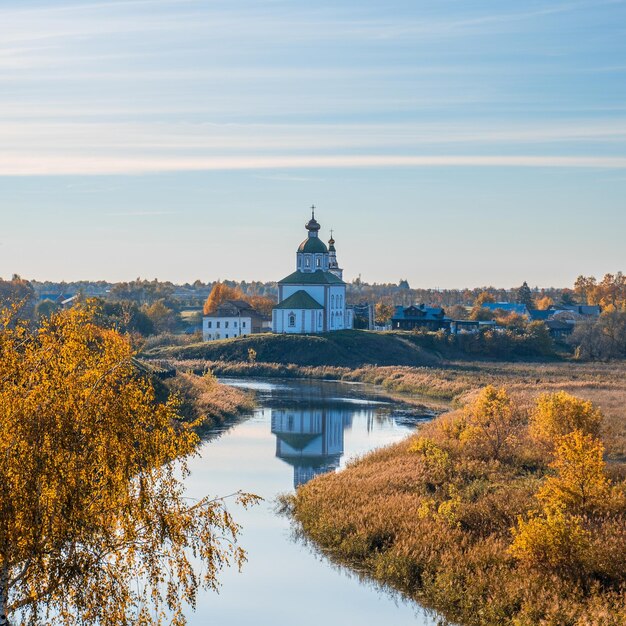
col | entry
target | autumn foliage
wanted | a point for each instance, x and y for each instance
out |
(90, 501)
(222, 292)
(496, 513)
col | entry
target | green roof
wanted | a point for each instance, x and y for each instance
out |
(313, 245)
(319, 277)
(299, 300)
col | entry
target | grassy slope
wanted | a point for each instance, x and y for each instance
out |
(350, 348)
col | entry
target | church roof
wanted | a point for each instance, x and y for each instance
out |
(319, 277)
(312, 245)
(299, 300)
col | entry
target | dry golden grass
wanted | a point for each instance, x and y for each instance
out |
(432, 517)
(203, 399)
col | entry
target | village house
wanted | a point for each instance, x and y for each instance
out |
(420, 316)
(233, 318)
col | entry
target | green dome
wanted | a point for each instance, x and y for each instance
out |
(313, 245)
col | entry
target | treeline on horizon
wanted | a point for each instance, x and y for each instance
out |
(586, 290)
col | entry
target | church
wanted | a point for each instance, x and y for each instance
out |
(313, 298)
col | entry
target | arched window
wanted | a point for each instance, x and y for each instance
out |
(292, 320)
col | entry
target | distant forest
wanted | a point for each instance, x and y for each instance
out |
(194, 294)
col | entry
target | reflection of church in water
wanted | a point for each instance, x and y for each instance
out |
(311, 439)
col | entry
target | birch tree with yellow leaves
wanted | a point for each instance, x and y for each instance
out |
(94, 525)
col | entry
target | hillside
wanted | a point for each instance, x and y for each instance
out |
(350, 348)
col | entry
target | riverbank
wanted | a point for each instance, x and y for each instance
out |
(456, 382)
(205, 402)
(433, 517)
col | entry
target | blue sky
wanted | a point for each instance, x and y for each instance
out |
(452, 142)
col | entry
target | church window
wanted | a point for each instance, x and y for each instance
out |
(307, 262)
(318, 262)
(292, 320)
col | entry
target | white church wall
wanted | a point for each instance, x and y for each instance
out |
(297, 321)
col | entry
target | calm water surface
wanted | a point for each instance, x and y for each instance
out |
(300, 429)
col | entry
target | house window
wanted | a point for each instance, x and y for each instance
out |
(226, 335)
(225, 324)
(235, 324)
(209, 324)
(243, 324)
(217, 335)
(217, 324)
(292, 320)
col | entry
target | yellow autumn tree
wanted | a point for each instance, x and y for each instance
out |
(491, 425)
(482, 298)
(90, 502)
(554, 539)
(580, 484)
(556, 535)
(557, 414)
(219, 294)
(543, 304)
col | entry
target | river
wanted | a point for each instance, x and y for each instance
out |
(300, 429)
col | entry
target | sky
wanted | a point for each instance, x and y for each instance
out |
(450, 142)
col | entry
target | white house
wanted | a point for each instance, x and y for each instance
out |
(313, 298)
(233, 318)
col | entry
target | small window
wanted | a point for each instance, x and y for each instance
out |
(307, 262)
(235, 324)
(318, 262)
(292, 320)
(225, 324)
(226, 335)
(217, 324)
(332, 302)
(209, 324)
(243, 324)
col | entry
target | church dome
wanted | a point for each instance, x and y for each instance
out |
(313, 245)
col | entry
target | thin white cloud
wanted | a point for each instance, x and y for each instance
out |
(137, 213)
(62, 166)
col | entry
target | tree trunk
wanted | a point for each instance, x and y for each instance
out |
(4, 595)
